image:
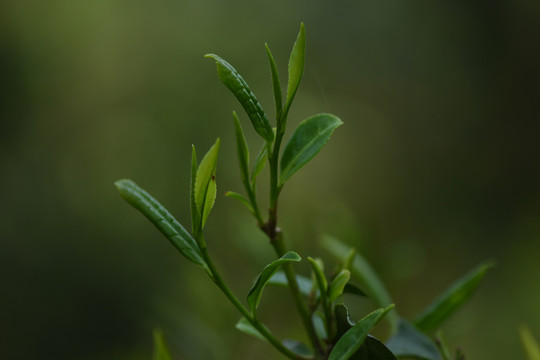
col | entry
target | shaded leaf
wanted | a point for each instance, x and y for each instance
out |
(529, 343)
(343, 319)
(319, 277)
(162, 219)
(276, 84)
(296, 67)
(230, 78)
(351, 341)
(160, 347)
(373, 349)
(410, 342)
(254, 295)
(306, 141)
(243, 151)
(353, 289)
(364, 273)
(245, 326)
(338, 284)
(298, 348)
(304, 283)
(452, 298)
(260, 162)
(318, 324)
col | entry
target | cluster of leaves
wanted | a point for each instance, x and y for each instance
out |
(331, 332)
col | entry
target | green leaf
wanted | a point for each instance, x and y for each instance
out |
(307, 140)
(343, 319)
(452, 298)
(351, 341)
(304, 283)
(353, 289)
(254, 295)
(238, 86)
(276, 84)
(296, 67)
(245, 326)
(162, 219)
(338, 284)
(364, 273)
(410, 342)
(319, 276)
(240, 198)
(243, 151)
(195, 213)
(259, 163)
(298, 348)
(373, 349)
(529, 343)
(205, 184)
(318, 324)
(160, 347)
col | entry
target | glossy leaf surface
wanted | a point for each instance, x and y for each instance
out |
(410, 342)
(373, 349)
(307, 140)
(343, 319)
(254, 295)
(351, 341)
(296, 66)
(162, 219)
(452, 298)
(232, 80)
(161, 352)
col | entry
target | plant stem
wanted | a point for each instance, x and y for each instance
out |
(217, 279)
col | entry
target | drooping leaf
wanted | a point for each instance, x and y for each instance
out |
(296, 67)
(364, 273)
(243, 151)
(373, 349)
(304, 283)
(452, 298)
(240, 198)
(195, 213)
(254, 295)
(351, 341)
(260, 162)
(205, 183)
(161, 352)
(409, 342)
(162, 219)
(298, 348)
(306, 141)
(338, 284)
(276, 84)
(245, 326)
(532, 348)
(230, 78)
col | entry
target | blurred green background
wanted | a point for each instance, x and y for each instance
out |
(436, 168)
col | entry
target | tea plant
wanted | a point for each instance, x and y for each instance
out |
(331, 332)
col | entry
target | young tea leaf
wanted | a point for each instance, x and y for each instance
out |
(238, 86)
(307, 140)
(242, 149)
(276, 84)
(160, 347)
(254, 295)
(409, 342)
(240, 198)
(319, 276)
(529, 343)
(338, 284)
(296, 67)
(452, 298)
(259, 163)
(205, 183)
(162, 219)
(351, 341)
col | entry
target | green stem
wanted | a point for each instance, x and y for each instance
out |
(216, 278)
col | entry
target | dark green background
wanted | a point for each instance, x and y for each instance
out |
(435, 169)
